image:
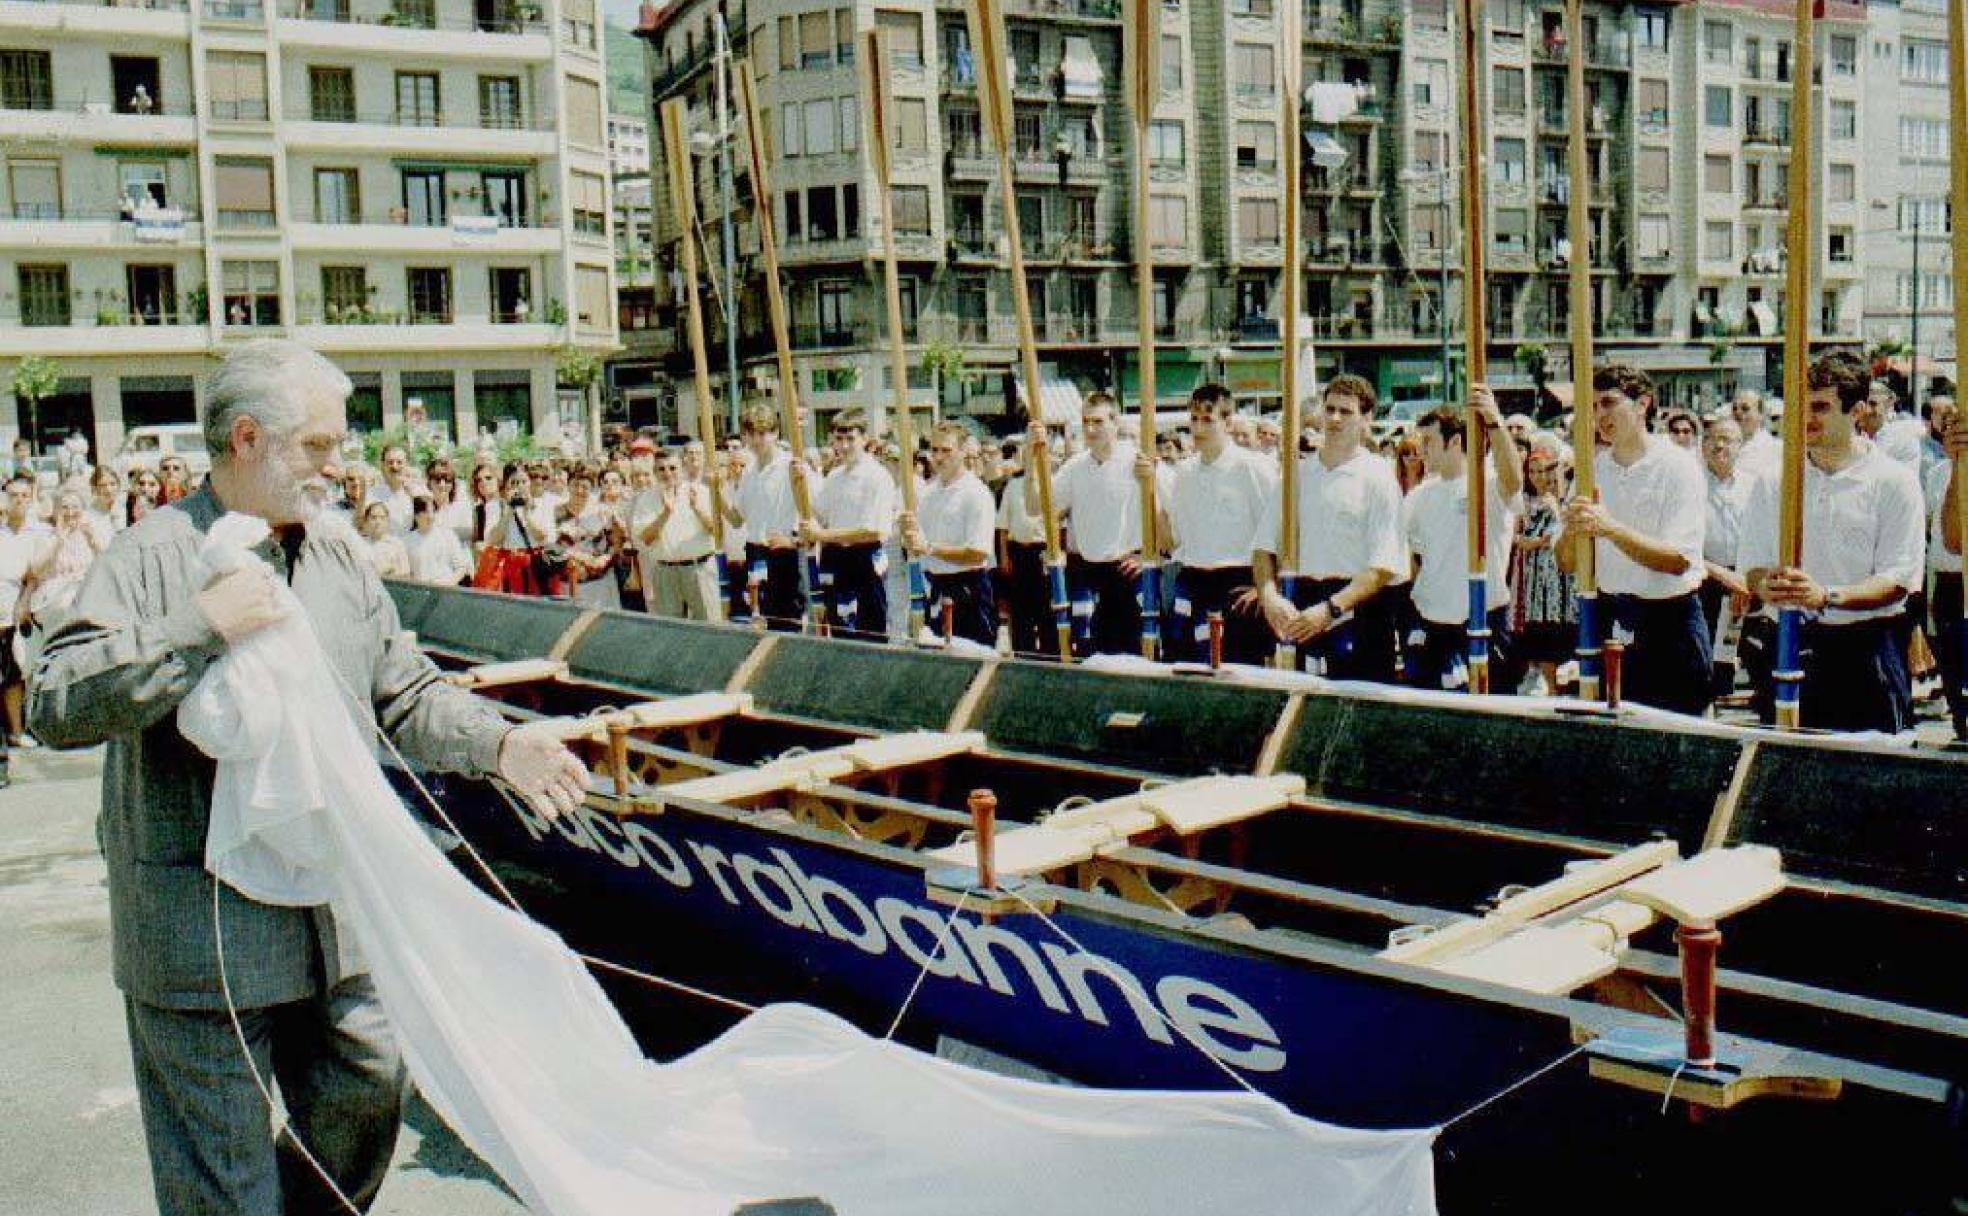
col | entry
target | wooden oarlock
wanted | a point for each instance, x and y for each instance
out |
(775, 303)
(1144, 42)
(1800, 252)
(1289, 292)
(993, 96)
(683, 201)
(983, 806)
(879, 104)
(1585, 424)
(1476, 330)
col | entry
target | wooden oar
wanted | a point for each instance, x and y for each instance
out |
(1802, 255)
(1144, 25)
(1290, 289)
(1475, 305)
(683, 200)
(879, 106)
(987, 35)
(775, 303)
(1585, 437)
(1958, 184)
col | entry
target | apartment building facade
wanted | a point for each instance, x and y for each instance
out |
(1686, 117)
(417, 188)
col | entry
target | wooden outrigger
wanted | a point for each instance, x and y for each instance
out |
(1386, 907)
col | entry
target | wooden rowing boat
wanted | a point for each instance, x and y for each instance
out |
(1379, 910)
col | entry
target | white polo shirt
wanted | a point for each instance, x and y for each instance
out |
(1662, 495)
(1864, 520)
(859, 494)
(765, 499)
(1349, 518)
(683, 537)
(1761, 453)
(1105, 502)
(1217, 507)
(956, 513)
(1436, 515)
(19, 551)
(1722, 530)
(1022, 527)
(1939, 560)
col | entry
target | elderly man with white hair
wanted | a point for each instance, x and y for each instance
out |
(147, 623)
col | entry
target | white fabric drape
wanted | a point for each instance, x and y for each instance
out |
(510, 1039)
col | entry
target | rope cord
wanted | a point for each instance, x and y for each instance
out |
(942, 939)
(1513, 1087)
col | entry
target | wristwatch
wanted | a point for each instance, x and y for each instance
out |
(1833, 599)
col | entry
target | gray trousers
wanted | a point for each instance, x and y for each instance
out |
(335, 1063)
(687, 592)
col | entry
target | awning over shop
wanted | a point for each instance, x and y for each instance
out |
(1079, 70)
(1059, 401)
(1251, 374)
(1177, 373)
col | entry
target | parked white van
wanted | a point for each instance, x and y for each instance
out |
(145, 446)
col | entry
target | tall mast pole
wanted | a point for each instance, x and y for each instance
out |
(987, 35)
(1144, 27)
(1475, 229)
(721, 78)
(683, 201)
(1291, 57)
(1584, 423)
(1800, 256)
(879, 107)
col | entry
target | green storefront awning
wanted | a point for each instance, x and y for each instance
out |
(1177, 373)
(464, 166)
(1254, 374)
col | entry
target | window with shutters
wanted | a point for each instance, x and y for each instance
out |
(1653, 103)
(816, 40)
(1431, 82)
(850, 123)
(1431, 148)
(1718, 240)
(1166, 148)
(577, 22)
(1844, 54)
(1923, 62)
(1257, 146)
(1431, 14)
(1844, 122)
(1426, 225)
(1509, 160)
(235, 81)
(820, 134)
(250, 292)
(424, 203)
(1168, 221)
(344, 294)
(844, 36)
(1652, 169)
(331, 94)
(592, 305)
(27, 80)
(499, 104)
(1652, 236)
(1257, 220)
(1513, 231)
(44, 298)
(1718, 175)
(245, 188)
(584, 113)
(905, 37)
(34, 189)
(789, 48)
(1718, 106)
(1841, 184)
(428, 289)
(911, 210)
(911, 125)
(1171, 63)
(1718, 41)
(1253, 66)
(588, 203)
(1507, 90)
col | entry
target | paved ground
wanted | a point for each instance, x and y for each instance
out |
(71, 1143)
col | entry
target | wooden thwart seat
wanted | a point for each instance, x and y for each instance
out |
(514, 671)
(694, 710)
(1080, 834)
(804, 771)
(1561, 936)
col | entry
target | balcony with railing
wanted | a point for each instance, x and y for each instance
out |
(50, 226)
(419, 27)
(422, 131)
(42, 116)
(1555, 49)
(1768, 136)
(108, 19)
(1065, 10)
(397, 230)
(161, 327)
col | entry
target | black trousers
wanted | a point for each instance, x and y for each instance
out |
(1668, 662)
(1713, 596)
(854, 591)
(1106, 606)
(1437, 654)
(973, 602)
(1945, 634)
(1199, 592)
(1855, 678)
(1360, 648)
(1030, 602)
(781, 598)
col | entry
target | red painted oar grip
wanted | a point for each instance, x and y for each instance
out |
(1699, 946)
(1216, 639)
(984, 818)
(1612, 658)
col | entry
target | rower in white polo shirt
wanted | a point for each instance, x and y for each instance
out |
(1944, 565)
(762, 502)
(1863, 553)
(1349, 546)
(1097, 492)
(1214, 512)
(1650, 521)
(1437, 526)
(952, 531)
(856, 508)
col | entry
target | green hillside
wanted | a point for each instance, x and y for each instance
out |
(627, 84)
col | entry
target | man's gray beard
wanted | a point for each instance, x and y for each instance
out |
(284, 495)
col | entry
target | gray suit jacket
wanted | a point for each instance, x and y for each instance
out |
(133, 646)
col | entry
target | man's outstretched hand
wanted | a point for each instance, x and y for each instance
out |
(534, 761)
